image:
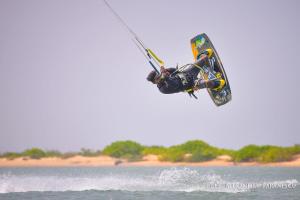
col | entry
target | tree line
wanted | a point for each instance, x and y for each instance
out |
(190, 151)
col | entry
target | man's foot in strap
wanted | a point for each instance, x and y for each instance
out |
(214, 84)
(220, 82)
(201, 84)
(207, 52)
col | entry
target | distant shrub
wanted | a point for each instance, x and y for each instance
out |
(196, 149)
(124, 149)
(201, 151)
(11, 155)
(228, 152)
(294, 149)
(89, 152)
(68, 155)
(199, 156)
(173, 154)
(53, 153)
(266, 153)
(194, 145)
(248, 153)
(34, 153)
(275, 154)
(155, 150)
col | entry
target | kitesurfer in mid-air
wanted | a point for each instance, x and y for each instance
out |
(206, 72)
(170, 81)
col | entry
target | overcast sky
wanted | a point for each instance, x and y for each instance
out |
(70, 76)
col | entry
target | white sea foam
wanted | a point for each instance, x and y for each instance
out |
(182, 179)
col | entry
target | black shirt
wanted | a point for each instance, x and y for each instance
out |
(171, 84)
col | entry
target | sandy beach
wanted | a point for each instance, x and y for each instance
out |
(149, 160)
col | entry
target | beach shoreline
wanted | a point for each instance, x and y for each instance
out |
(148, 161)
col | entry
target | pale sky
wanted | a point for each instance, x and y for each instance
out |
(70, 76)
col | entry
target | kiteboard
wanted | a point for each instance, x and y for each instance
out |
(215, 69)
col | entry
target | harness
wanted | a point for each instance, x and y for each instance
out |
(187, 81)
(183, 78)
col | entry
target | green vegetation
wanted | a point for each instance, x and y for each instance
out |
(155, 150)
(53, 153)
(89, 152)
(34, 153)
(265, 153)
(294, 149)
(10, 155)
(124, 149)
(191, 151)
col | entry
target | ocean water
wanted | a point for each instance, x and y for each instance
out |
(161, 183)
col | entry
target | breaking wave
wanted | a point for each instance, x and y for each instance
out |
(184, 180)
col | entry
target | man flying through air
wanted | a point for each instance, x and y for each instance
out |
(171, 81)
(206, 72)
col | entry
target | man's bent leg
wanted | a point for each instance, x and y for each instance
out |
(216, 83)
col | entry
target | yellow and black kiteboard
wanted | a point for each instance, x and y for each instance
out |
(215, 70)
